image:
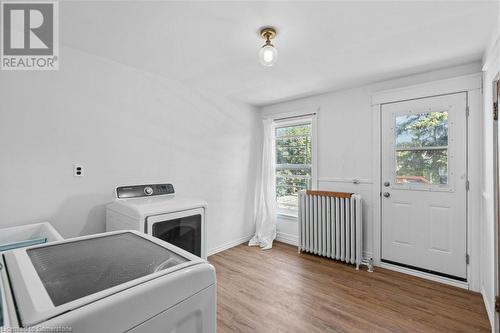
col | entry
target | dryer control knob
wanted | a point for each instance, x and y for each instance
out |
(148, 190)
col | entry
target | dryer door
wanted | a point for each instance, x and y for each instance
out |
(183, 229)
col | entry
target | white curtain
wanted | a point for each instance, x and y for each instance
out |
(265, 204)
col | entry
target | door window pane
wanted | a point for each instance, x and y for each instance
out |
(422, 130)
(421, 148)
(425, 167)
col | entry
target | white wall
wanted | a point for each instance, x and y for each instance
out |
(488, 229)
(345, 124)
(126, 127)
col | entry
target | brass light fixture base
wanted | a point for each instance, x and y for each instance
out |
(268, 33)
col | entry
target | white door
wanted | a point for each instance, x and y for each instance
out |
(424, 175)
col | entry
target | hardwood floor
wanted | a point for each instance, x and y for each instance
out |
(282, 291)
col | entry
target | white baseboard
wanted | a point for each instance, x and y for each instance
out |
(287, 238)
(489, 309)
(228, 245)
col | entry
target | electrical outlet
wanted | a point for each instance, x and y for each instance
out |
(78, 170)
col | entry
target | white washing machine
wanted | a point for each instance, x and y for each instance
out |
(122, 281)
(14, 238)
(155, 210)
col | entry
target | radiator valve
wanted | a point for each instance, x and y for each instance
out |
(368, 262)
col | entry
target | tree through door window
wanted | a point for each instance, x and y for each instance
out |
(421, 148)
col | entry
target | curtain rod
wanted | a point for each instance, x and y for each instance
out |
(297, 116)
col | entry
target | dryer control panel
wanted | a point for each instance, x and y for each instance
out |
(148, 190)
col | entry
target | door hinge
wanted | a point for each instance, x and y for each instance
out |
(467, 260)
(497, 303)
(467, 185)
(467, 111)
(495, 111)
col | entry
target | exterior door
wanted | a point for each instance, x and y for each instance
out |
(424, 178)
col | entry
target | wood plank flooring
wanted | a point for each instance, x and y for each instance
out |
(282, 291)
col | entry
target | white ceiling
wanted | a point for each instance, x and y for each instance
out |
(322, 45)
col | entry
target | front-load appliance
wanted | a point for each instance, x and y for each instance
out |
(155, 210)
(122, 281)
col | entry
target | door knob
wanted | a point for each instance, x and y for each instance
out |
(387, 194)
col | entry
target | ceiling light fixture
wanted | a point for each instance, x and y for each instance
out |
(268, 53)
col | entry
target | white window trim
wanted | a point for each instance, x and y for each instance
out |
(297, 117)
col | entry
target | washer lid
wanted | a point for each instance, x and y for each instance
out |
(51, 279)
(144, 207)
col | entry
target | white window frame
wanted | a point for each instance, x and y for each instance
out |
(296, 118)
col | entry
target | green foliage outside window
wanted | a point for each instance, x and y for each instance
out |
(422, 148)
(293, 163)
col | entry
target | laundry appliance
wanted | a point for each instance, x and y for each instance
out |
(14, 238)
(156, 210)
(122, 281)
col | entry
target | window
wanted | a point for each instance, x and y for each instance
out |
(294, 159)
(422, 149)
